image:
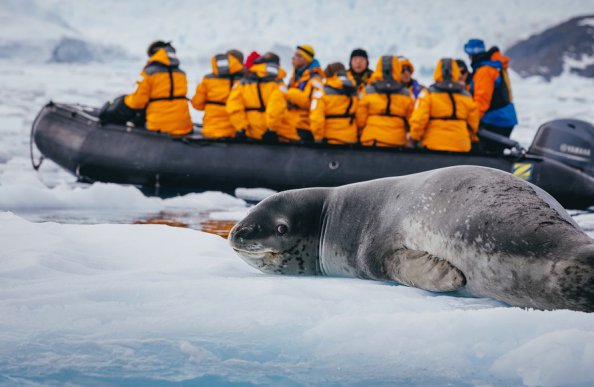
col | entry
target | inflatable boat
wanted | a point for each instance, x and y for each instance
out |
(559, 160)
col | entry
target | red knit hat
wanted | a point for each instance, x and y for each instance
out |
(249, 62)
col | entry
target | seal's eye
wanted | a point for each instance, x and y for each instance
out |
(282, 229)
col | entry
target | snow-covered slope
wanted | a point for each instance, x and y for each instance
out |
(423, 30)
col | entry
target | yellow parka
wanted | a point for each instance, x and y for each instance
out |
(258, 103)
(212, 93)
(333, 114)
(445, 116)
(162, 92)
(300, 94)
(385, 106)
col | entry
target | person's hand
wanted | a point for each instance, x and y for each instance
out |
(410, 143)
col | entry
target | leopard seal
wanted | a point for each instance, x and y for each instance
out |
(464, 227)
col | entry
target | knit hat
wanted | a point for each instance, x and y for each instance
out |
(359, 52)
(474, 47)
(307, 51)
(251, 58)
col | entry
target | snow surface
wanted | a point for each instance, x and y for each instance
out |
(90, 299)
(139, 304)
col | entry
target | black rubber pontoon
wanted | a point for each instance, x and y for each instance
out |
(72, 136)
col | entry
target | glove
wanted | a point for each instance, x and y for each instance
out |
(269, 136)
(240, 135)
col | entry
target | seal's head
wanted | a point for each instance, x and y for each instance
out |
(281, 234)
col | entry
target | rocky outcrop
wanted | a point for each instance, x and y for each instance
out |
(568, 46)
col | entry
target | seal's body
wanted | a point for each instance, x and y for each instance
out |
(441, 230)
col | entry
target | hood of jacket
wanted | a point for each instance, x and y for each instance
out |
(446, 70)
(339, 81)
(388, 68)
(165, 57)
(266, 70)
(225, 64)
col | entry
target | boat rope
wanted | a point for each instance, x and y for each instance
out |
(35, 165)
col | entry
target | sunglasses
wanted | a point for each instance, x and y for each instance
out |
(406, 68)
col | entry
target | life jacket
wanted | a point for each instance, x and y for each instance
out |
(348, 89)
(212, 93)
(171, 65)
(447, 83)
(332, 115)
(258, 103)
(502, 94)
(270, 74)
(162, 93)
(388, 85)
(225, 66)
(304, 85)
(385, 106)
(445, 117)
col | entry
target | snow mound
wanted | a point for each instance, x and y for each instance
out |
(557, 358)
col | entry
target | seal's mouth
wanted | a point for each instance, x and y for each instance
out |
(250, 254)
(254, 254)
(267, 261)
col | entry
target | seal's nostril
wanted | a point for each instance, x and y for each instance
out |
(242, 232)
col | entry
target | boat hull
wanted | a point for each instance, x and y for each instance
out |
(71, 136)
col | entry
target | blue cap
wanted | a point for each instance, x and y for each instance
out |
(474, 46)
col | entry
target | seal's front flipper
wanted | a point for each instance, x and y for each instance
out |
(423, 270)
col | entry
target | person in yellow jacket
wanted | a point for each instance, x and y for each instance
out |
(333, 114)
(257, 106)
(359, 70)
(385, 106)
(162, 92)
(445, 116)
(406, 78)
(305, 83)
(212, 93)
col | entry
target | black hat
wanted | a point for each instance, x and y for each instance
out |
(155, 46)
(269, 57)
(359, 52)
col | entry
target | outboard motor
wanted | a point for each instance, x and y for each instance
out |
(567, 141)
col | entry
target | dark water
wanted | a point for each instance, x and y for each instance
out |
(189, 219)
